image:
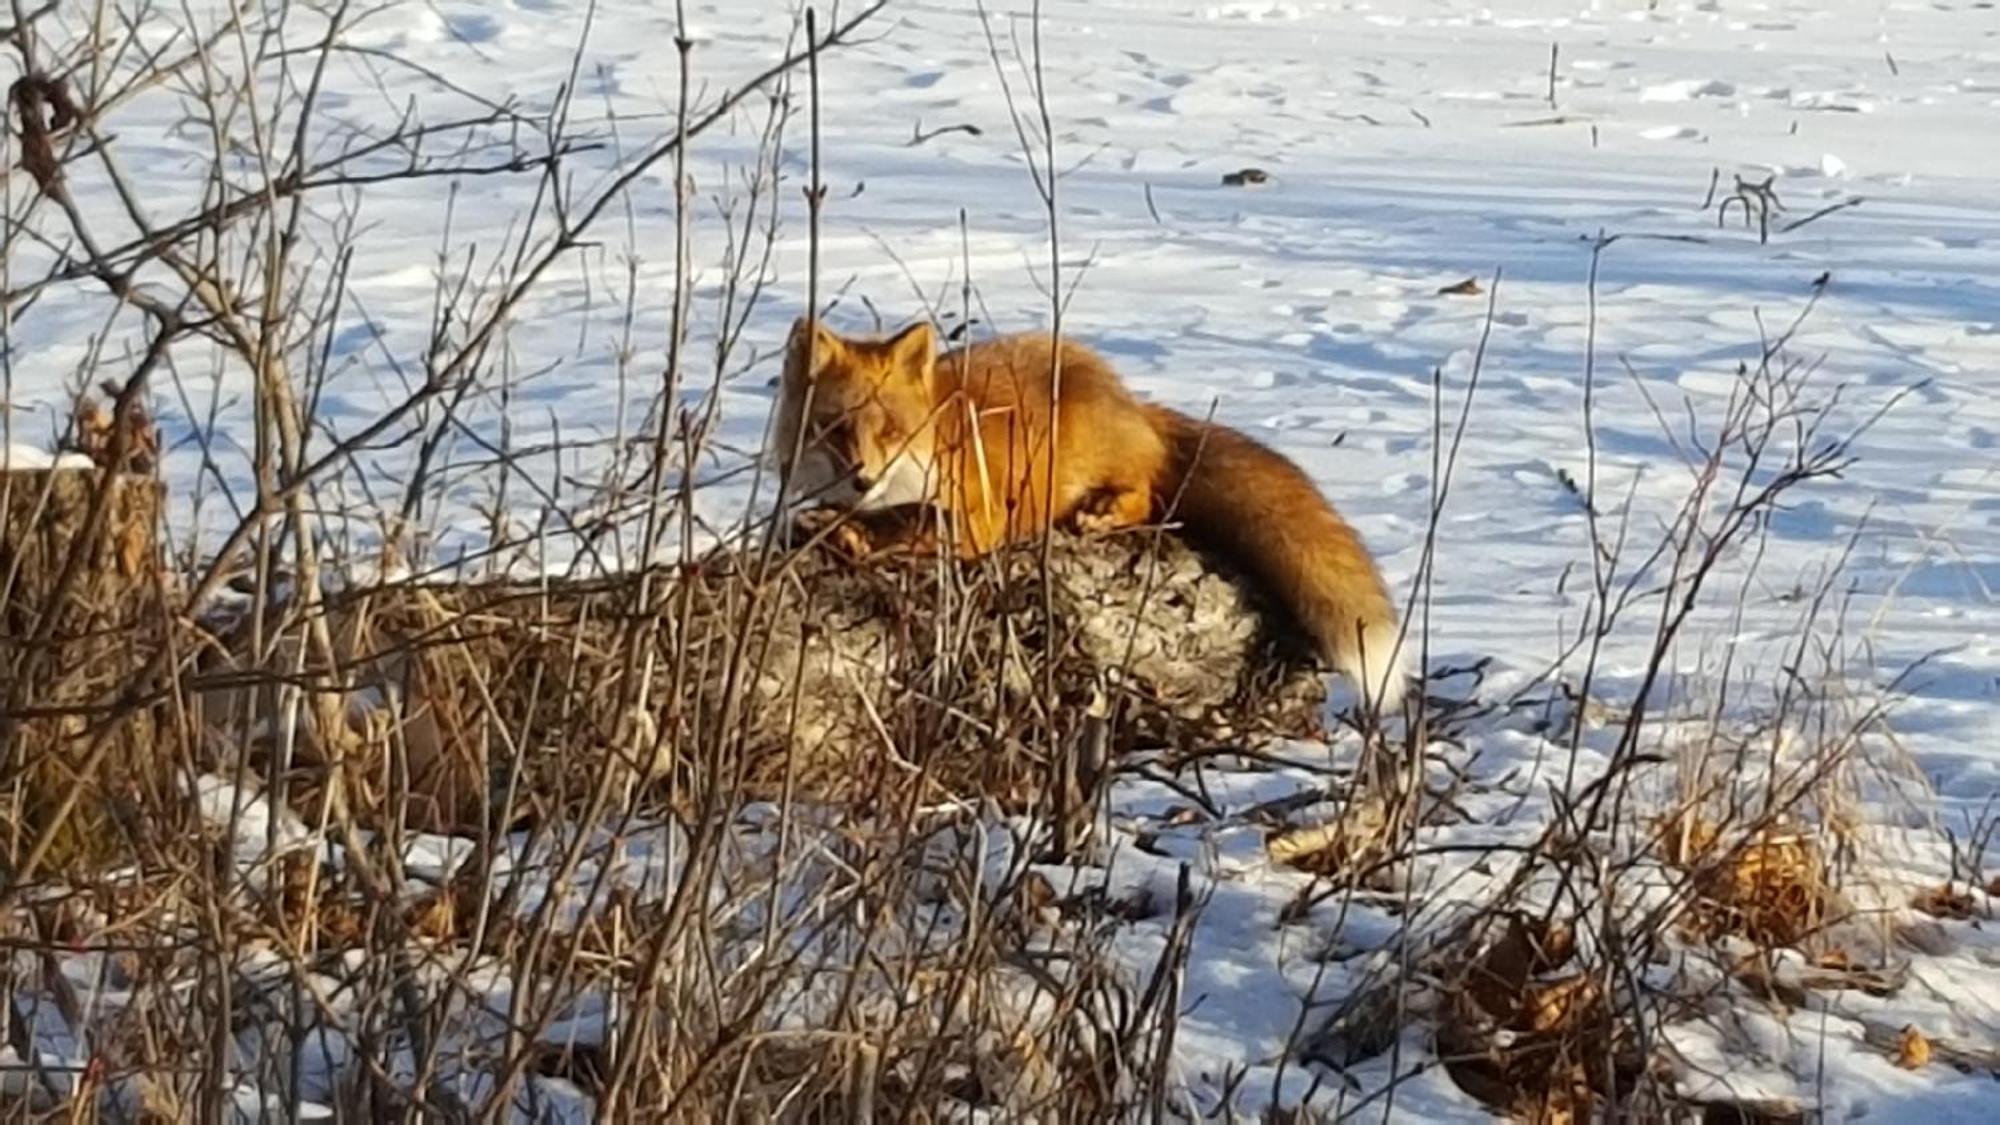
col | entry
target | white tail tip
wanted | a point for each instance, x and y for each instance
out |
(1378, 671)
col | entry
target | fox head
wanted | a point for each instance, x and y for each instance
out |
(856, 420)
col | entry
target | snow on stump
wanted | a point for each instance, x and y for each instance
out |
(79, 615)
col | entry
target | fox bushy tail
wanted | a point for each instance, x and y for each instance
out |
(1262, 513)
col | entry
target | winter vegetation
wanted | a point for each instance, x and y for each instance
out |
(420, 700)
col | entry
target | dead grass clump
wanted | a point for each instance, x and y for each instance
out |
(1530, 1032)
(81, 605)
(1771, 885)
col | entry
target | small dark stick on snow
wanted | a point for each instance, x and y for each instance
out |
(918, 135)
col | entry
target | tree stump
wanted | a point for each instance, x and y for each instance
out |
(1019, 677)
(1132, 641)
(80, 614)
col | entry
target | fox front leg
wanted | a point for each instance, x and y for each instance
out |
(837, 528)
(865, 534)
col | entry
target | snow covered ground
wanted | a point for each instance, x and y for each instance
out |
(1408, 146)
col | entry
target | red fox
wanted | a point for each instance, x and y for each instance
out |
(877, 429)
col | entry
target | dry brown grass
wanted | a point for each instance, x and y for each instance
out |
(1527, 1029)
(1772, 886)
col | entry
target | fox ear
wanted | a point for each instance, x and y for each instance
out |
(809, 335)
(913, 351)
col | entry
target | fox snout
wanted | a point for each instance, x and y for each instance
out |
(837, 469)
(825, 477)
(830, 464)
(849, 478)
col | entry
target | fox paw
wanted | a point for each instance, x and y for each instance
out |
(1109, 510)
(834, 528)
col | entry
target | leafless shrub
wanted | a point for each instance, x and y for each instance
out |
(552, 843)
(462, 848)
(1707, 817)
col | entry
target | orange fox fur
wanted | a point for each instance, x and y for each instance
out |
(885, 431)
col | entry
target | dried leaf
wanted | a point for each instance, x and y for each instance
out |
(1037, 894)
(1331, 846)
(1914, 1051)
(133, 547)
(1470, 287)
(341, 923)
(1301, 843)
(435, 917)
(1559, 1003)
(1554, 945)
(1944, 902)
